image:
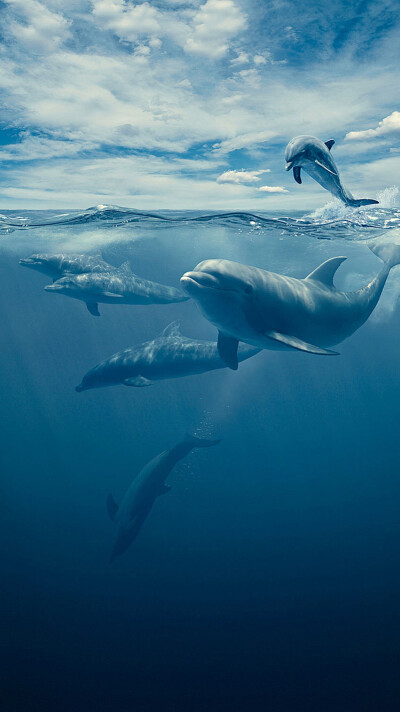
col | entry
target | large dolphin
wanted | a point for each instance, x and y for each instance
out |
(114, 286)
(313, 155)
(56, 266)
(170, 355)
(144, 490)
(272, 311)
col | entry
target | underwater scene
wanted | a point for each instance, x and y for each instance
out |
(190, 524)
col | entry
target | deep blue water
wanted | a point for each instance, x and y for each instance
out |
(269, 577)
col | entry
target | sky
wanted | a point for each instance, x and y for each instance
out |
(182, 104)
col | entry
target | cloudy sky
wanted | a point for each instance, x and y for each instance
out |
(189, 104)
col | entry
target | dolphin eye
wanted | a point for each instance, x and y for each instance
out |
(248, 289)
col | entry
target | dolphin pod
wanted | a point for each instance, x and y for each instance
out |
(149, 484)
(169, 355)
(272, 311)
(314, 156)
(115, 286)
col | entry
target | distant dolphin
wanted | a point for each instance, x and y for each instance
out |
(170, 355)
(114, 286)
(56, 266)
(272, 311)
(144, 490)
(314, 157)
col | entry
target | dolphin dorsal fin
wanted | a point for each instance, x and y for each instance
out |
(329, 143)
(326, 272)
(173, 329)
(126, 267)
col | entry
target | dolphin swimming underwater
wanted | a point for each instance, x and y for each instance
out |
(56, 266)
(144, 490)
(314, 157)
(170, 355)
(114, 286)
(272, 311)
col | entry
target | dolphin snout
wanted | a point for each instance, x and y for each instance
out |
(79, 388)
(198, 279)
(26, 261)
(53, 287)
(289, 165)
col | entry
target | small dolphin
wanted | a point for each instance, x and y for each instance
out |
(272, 311)
(56, 266)
(144, 490)
(170, 355)
(114, 286)
(314, 156)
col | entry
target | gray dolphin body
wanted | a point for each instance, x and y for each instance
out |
(314, 156)
(170, 355)
(144, 490)
(56, 266)
(114, 286)
(272, 311)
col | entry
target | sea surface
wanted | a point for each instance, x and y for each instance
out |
(268, 579)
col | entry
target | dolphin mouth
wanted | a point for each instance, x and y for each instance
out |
(289, 165)
(27, 261)
(202, 280)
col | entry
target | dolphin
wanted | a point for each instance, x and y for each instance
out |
(170, 355)
(144, 490)
(56, 266)
(272, 311)
(313, 155)
(114, 286)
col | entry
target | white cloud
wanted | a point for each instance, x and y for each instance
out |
(37, 28)
(272, 189)
(260, 59)
(241, 176)
(241, 58)
(215, 23)
(389, 126)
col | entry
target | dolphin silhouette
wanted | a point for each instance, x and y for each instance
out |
(314, 157)
(56, 266)
(114, 286)
(272, 311)
(144, 490)
(169, 355)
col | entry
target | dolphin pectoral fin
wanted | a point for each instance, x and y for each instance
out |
(227, 349)
(328, 170)
(297, 174)
(326, 272)
(137, 382)
(93, 308)
(298, 344)
(329, 143)
(164, 489)
(112, 506)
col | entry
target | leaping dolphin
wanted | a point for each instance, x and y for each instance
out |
(56, 266)
(272, 311)
(144, 490)
(114, 286)
(169, 355)
(314, 157)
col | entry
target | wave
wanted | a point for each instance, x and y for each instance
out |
(332, 220)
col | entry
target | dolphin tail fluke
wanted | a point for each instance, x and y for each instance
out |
(363, 201)
(388, 252)
(200, 442)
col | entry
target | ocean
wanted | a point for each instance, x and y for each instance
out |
(268, 578)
